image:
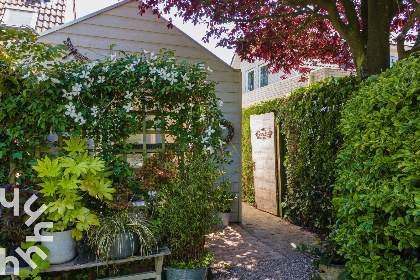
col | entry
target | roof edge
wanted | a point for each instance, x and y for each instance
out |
(120, 4)
(61, 26)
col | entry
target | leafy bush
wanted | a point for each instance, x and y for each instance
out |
(187, 209)
(378, 185)
(310, 123)
(65, 183)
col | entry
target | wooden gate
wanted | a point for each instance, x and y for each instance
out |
(268, 157)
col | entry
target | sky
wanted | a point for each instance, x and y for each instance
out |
(85, 7)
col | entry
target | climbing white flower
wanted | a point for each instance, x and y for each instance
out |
(101, 79)
(70, 109)
(172, 79)
(85, 74)
(130, 67)
(153, 79)
(128, 95)
(210, 131)
(220, 103)
(113, 56)
(181, 106)
(94, 110)
(145, 51)
(55, 81)
(210, 70)
(128, 107)
(204, 140)
(106, 68)
(152, 70)
(67, 95)
(185, 77)
(92, 64)
(189, 86)
(210, 149)
(42, 77)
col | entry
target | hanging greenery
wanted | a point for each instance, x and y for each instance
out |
(106, 101)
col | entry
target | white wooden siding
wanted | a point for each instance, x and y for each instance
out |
(132, 33)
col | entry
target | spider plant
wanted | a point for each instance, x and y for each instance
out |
(108, 236)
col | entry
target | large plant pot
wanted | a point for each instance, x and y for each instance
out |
(225, 218)
(332, 272)
(63, 247)
(185, 274)
(125, 245)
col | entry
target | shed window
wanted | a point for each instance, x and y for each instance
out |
(250, 80)
(263, 76)
(20, 17)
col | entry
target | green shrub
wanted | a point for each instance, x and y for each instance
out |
(309, 119)
(310, 123)
(377, 191)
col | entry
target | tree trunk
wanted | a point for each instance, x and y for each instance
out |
(370, 45)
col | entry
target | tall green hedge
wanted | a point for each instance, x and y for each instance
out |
(310, 123)
(309, 120)
(378, 186)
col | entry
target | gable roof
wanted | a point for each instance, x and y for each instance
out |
(50, 12)
(119, 4)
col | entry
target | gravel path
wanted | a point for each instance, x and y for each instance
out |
(259, 248)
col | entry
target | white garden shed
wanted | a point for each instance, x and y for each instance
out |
(121, 25)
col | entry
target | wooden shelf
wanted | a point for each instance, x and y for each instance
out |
(164, 251)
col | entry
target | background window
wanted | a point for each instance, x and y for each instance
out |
(264, 76)
(17, 17)
(250, 80)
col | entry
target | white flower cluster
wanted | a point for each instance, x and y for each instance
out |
(76, 89)
(71, 111)
(180, 107)
(94, 110)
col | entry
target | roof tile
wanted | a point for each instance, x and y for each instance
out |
(50, 13)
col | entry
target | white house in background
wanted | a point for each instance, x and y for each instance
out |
(39, 15)
(258, 84)
(121, 25)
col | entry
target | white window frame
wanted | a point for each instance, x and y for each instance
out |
(6, 15)
(247, 80)
(259, 76)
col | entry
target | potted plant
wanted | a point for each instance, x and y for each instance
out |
(225, 199)
(122, 230)
(330, 265)
(65, 181)
(187, 210)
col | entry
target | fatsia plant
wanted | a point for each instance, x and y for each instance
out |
(66, 179)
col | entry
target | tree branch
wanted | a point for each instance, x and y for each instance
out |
(402, 53)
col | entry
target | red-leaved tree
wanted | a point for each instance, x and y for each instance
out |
(288, 33)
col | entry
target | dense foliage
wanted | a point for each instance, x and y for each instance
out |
(378, 186)
(192, 190)
(287, 34)
(309, 120)
(106, 101)
(310, 123)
